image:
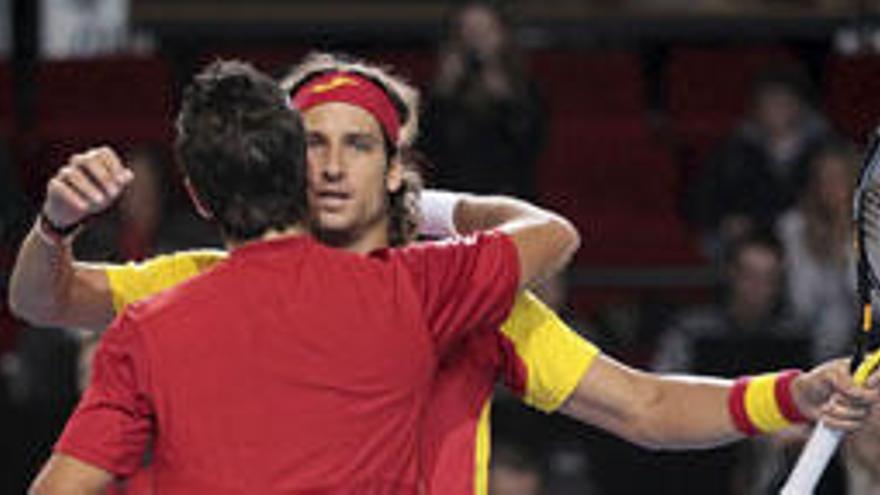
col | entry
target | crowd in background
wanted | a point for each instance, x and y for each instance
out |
(769, 207)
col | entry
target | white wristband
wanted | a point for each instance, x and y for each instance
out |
(438, 211)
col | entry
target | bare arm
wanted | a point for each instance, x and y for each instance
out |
(47, 286)
(678, 412)
(544, 240)
(65, 475)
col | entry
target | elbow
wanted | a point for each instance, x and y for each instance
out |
(20, 308)
(572, 236)
(569, 238)
(35, 314)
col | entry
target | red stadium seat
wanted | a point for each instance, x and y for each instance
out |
(707, 92)
(711, 86)
(622, 192)
(852, 93)
(590, 83)
(112, 98)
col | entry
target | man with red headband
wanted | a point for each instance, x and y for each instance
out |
(289, 367)
(354, 149)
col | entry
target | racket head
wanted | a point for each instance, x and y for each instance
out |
(866, 216)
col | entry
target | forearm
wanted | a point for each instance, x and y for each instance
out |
(65, 475)
(545, 240)
(688, 412)
(48, 287)
(654, 411)
(41, 279)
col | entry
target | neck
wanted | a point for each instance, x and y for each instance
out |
(356, 242)
(292, 231)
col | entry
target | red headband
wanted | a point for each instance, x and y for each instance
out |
(350, 88)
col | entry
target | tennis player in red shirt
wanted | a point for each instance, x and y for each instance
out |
(289, 367)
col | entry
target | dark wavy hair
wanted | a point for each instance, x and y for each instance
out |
(243, 150)
(403, 210)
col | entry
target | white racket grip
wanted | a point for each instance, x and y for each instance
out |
(813, 461)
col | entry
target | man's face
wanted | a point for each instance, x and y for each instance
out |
(757, 278)
(349, 177)
(778, 109)
(481, 31)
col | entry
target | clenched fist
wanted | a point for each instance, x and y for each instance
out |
(88, 184)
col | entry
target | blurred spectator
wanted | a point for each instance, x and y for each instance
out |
(747, 331)
(818, 245)
(757, 173)
(148, 219)
(749, 317)
(483, 119)
(513, 471)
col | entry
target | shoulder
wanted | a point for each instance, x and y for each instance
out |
(179, 301)
(458, 245)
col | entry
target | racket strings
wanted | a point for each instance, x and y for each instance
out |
(869, 230)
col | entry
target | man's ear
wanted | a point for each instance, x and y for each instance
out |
(394, 177)
(203, 210)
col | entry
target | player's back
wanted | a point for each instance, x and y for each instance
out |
(288, 366)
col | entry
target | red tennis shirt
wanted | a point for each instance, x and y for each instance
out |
(289, 368)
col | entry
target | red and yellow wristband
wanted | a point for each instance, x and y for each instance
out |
(764, 403)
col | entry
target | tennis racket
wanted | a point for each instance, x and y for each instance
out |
(866, 218)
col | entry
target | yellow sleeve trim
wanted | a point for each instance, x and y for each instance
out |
(555, 356)
(483, 448)
(132, 282)
(761, 405)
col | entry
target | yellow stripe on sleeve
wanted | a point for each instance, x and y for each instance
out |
(132, 282)
(555, 357)
(761, 403)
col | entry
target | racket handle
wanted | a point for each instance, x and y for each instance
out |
(813, 460)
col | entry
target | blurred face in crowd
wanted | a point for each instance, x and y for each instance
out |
(756, 279)
(778, 108)
(481, 30)
(832, 181)
(349, 175)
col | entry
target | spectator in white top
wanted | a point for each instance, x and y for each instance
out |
(817, 238)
